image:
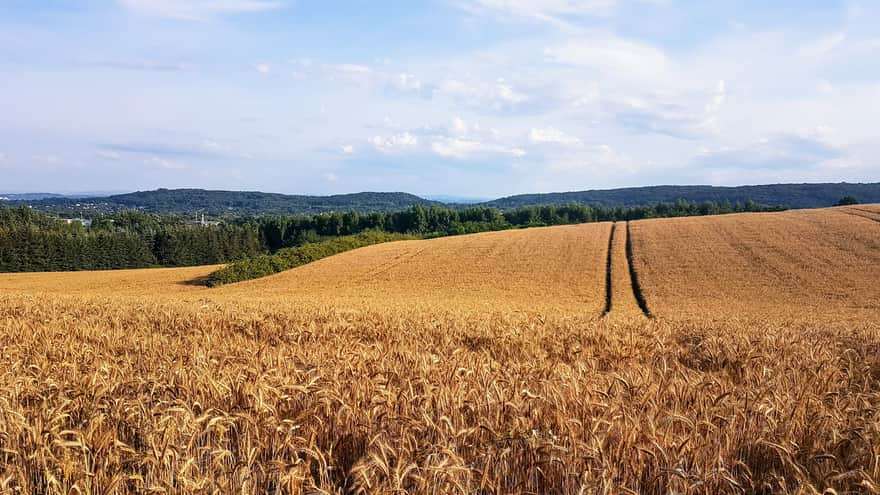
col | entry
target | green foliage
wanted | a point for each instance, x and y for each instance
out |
(288, 258)
(229, 203)
(31, 240)
(787, 195)
(847, 201)
(35, 241)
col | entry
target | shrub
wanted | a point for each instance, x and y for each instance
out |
(286, 259)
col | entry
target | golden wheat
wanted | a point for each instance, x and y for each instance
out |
(810, 265)
(306, 383)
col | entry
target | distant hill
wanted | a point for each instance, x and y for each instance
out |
(221, 203)
(28, 196)
(788, 195)
(218, 203)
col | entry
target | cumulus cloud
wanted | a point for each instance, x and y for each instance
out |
(458, 148)
(109, 154)
(406, 82)
(163, 163)
(306, 68)
(552, 11)
(803, 150)
(600, 159)
(347, 149)
(263, 68)
(143, 65)
(611, 55)
(552, 135)
(197, 9)
(402, 141)
(48, 159)
(498, 95)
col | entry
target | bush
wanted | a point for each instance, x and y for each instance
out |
(847, 200)
(285, 259)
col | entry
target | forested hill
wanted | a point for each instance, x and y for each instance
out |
(788, 195)
(219, 203)
(237, 203)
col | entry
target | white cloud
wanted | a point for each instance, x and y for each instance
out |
(197, 9)
(458, 148)
(552, 135)
(109, 154)
(496, 96)
(263, 68)
(330, 177)
(553, 11)
(352, 68)
(214, 146)
(710, 121)
(406, 82)
(459, 126)
(595, 159)
(50, 159)
(505, 92)
(346, 149)
(397, 142)
(612, 56)
(163, 163)
(306, 68)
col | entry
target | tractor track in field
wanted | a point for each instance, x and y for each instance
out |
(608, 278)
(868, 214)
(634, 276)
(623, 294)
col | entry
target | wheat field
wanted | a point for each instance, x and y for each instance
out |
(507, 362)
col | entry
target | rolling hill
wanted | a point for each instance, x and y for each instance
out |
(787, 195)
(507, 362)
(220, 203)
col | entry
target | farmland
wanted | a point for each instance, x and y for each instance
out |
(502, 362)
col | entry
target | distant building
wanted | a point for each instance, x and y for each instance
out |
(85, 222)
(205, 223)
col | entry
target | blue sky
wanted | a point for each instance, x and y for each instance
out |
(467, 97)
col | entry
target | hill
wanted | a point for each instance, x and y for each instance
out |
(507, 362)
(807, 265)
(28, 196)
(219, 203)
(787, 195)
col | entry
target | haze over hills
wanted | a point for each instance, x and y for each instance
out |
(218, 203)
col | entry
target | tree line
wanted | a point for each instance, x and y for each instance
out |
(36, 241)
(290, 231)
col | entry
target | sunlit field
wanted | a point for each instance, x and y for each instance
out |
(725, 354)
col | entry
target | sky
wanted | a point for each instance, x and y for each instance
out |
(474, 98)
